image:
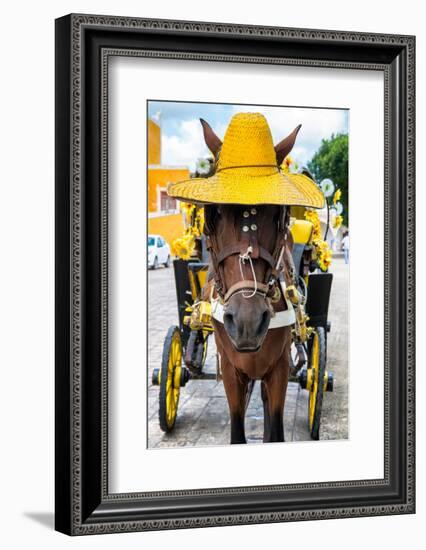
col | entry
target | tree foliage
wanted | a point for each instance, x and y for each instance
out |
(331, 161)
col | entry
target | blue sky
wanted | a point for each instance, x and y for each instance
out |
(182, 137)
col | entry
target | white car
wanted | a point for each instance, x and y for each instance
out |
(158, 252)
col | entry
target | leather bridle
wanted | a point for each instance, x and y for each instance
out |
(249, 249)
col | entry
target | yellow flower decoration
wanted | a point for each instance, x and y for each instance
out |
(322, 251)
(286, 164)
(324, 255)
(194, 217)
(183, 247)
(187, 210)
(337, 196)
(338, 220)
(312, 216)
(199, 221)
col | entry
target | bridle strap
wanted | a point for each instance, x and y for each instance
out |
(280, 245)
(236, 249)
(247, 284)
(216, 273)
(275, 260)
(279, 319)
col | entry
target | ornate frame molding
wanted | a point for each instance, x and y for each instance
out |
(86, 507)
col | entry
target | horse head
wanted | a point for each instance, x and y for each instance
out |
(245, 239)
(248, 245)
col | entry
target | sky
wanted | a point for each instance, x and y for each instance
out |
(182, 137)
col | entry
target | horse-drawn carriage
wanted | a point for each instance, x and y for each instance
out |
(185, 346)
(304, 292)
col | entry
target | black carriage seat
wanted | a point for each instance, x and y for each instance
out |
(319, 289)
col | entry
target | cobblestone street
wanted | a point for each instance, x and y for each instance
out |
(203, 417)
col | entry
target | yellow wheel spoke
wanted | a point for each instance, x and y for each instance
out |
(170, 378)
(316, 378)
(175, 359)
(315, 369)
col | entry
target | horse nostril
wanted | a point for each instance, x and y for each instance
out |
(264, 322)
(228, 319)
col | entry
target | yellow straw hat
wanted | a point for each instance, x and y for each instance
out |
(247, 172)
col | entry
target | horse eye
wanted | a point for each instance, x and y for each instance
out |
(219, 212)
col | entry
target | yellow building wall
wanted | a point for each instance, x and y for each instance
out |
(161, 177)
(169, 226)
(154, 143)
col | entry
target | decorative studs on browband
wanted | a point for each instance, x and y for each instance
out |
(246, 256)
(246, 214)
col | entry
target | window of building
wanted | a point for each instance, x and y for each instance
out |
(167, 203)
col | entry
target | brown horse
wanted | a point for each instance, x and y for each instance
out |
(245, 273)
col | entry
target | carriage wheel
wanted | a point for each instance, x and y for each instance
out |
(316, 373)
(170, 379)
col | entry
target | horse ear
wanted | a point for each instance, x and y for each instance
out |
(283, 148)
(211, 139)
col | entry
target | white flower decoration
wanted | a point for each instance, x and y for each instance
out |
(203, 166)
(327, 187)
(339, 208)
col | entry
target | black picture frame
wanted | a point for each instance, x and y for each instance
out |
(83, 45)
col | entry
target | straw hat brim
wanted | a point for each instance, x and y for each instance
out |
(234, 187)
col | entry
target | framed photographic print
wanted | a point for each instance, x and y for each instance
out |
(234, 274)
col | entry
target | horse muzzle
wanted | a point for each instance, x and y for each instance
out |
(246, 322)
